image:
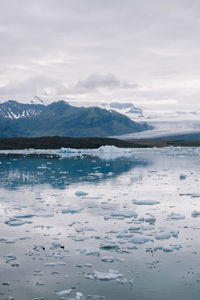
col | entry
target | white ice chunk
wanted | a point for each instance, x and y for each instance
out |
(182, 176)
(95, 297)
(10, 257)
(44, 215)
(64, 293)
(146, 202)
(139, 240)
(124, 235)
(16, 222)
(195, 214)
(134, 228)
(22, 216)
(169, 248)
(81, 193)
(175, 216)
(109, 259)
(124, 214)
(90, 251)
(8, 240)
(56, 263)
(71, 209)
(109, 246)
(111, 275)
(82, 229)
(163, 236)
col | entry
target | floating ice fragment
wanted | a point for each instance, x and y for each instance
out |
(6, 283)
(79, 296)
(109, 246)
(139, 240)
(16, 222)
(163, 236)
(150, 219)
(134, 228)
(81, 193)
(90, 251)
(84, 265)
(71, 209)
(169, 248)
(56, 245)
(10, 257)
(124, 235)
(95, 297)
(195, 214)
(56, 263)
(109, 259)
(175, 216)
(111, 275)
(8, 240)
(146, 202)
(148, 227)
(82, 229)
(37, 272)
(124, 214)
(22, 216)
(44, 215)
(80, 238)
(64, 293)
(103, 152)
(182, 176)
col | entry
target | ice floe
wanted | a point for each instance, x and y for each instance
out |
(195, 214)
(55, 263)
(81, 193)
(146, 202)
(95, 297)
(111, 275)
(64, 292)
(90, 251)
(70, 209)
(16, 222)
(124, 214)
(176, 216)
(140, 240)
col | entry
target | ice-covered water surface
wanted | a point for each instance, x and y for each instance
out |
(90, 226)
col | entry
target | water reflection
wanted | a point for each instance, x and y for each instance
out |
(59, 172)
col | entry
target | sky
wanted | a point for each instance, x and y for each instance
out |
(143, 51)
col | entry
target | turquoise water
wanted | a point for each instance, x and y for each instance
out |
(99, 226)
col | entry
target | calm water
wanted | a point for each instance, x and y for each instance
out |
(100, 226)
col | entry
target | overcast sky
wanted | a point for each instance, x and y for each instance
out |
(145, 51)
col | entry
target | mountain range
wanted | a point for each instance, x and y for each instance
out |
(61, 119)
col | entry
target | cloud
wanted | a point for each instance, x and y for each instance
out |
(50, 86)
(96, 81)
(51, 46)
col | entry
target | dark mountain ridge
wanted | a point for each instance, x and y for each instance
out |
(60, 118)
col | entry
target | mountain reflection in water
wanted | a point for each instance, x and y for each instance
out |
(18, 170)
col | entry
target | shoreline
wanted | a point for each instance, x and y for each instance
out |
(56, 142)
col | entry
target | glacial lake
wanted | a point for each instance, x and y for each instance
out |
(100, 224)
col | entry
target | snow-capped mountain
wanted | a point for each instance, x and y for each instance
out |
(62, 119)
(15, 110)
(126, 108)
